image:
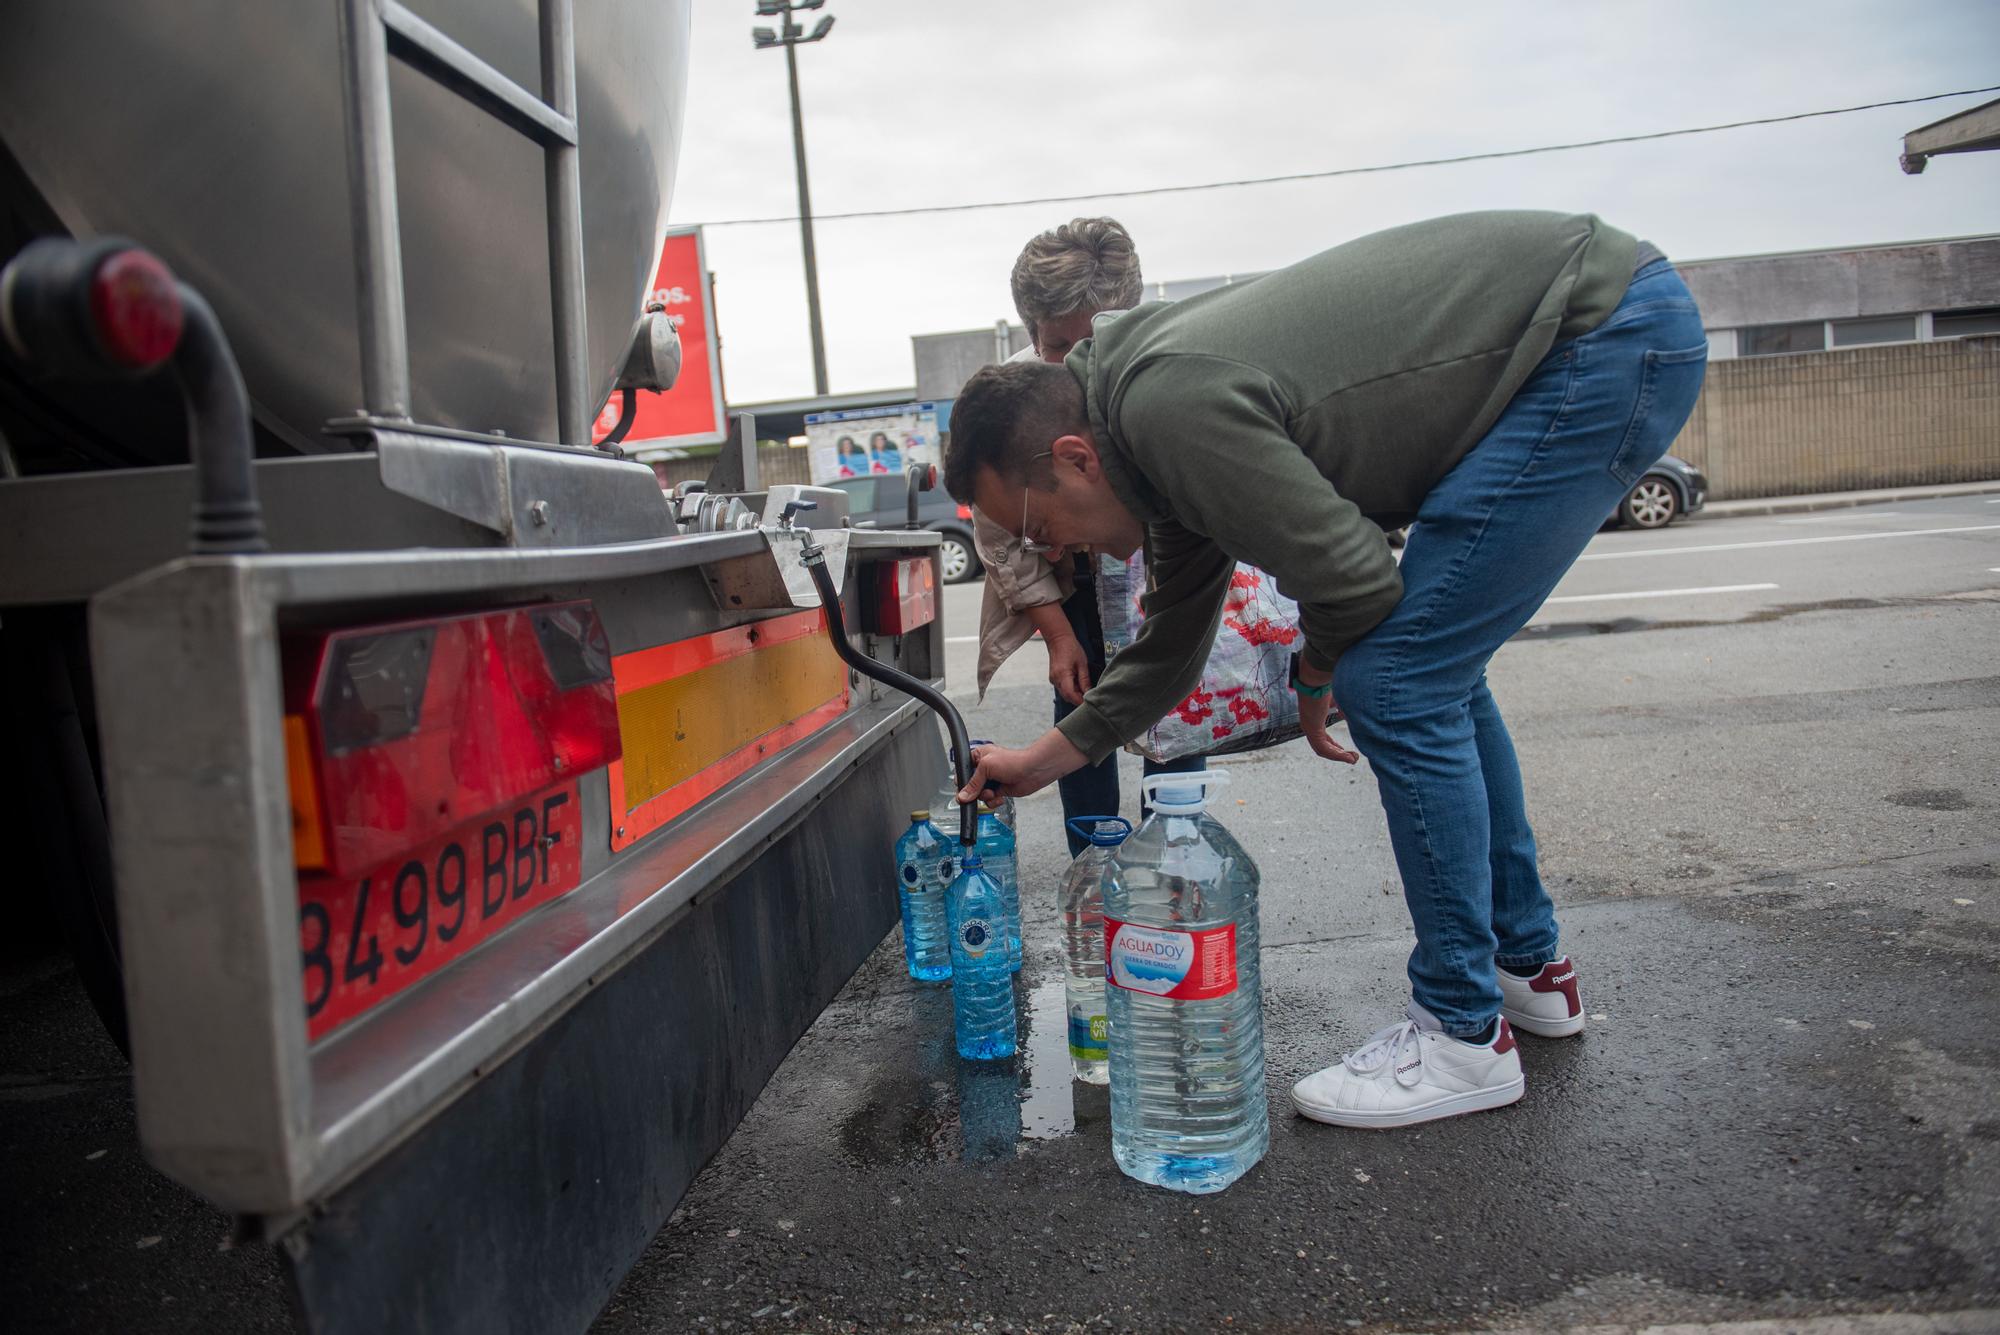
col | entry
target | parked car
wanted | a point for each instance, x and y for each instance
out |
(882, 502)
(1671, 488)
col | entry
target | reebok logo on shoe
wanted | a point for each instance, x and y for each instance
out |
(1548, 1005)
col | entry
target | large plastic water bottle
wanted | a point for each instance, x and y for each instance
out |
(1081, 898)
(997, 847)
(925, 864)
(1183, 996)
(982, 993)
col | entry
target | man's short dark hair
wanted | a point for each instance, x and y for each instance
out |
(1006, 415)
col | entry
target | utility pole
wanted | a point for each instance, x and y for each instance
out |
(790, 36)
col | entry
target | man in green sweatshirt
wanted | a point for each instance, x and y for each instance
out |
(1497, 381)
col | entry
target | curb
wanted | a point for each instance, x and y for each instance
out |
(1914, 1323)
(1841, 500)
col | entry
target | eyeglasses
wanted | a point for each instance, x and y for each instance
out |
(1033, 546)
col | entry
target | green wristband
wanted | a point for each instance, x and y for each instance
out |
(1311, 692)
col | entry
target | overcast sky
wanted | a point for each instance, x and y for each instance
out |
(918, 102)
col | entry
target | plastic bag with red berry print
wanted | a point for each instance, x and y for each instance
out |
(1245, 700)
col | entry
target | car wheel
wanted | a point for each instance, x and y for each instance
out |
(1651, 504)
(957, 559)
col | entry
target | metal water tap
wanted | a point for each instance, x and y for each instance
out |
(808, 549)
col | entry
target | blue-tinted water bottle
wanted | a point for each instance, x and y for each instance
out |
(982, 993)
(996, 846)
(924, 867)
(1183, 996)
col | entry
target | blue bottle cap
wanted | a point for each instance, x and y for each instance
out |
(1103, 831)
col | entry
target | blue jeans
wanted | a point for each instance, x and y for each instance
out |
(1093, 790)
(1489, 545)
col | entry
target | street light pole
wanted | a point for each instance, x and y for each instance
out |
(790, 35)
(806, 223)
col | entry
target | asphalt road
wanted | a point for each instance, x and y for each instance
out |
(1764, 761)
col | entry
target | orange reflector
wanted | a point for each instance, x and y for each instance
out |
(308, 837)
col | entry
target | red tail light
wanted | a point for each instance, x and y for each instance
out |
(904, 597)
(965, 513)
(136, 309)
(413, 729)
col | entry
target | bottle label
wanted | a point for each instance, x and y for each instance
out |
(975, 936)
(1182, 966)
(1089, 1037)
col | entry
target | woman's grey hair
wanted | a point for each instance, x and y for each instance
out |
(1085, 264)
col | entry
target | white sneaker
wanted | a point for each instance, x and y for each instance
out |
(1413, 1072)
(1547, 1005)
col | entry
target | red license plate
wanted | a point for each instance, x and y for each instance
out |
(362, 941)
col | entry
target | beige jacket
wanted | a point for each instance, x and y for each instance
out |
(1015, 581)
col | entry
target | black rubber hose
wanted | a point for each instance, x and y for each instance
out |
(961, 749)
(227, 516)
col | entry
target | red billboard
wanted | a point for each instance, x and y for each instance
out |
(691, 412)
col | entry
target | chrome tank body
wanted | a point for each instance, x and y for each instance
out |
(212, 132)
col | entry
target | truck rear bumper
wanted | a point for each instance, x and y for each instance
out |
(523, 1203)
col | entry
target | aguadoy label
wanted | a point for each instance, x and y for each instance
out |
(1162, 962)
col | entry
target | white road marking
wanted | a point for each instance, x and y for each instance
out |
(1784, 542)
(961, 639)
(1660, 593)
(1845, 515)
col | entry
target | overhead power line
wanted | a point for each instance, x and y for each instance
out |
(1346, 171)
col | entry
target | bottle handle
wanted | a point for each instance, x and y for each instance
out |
(1206, 780)
(1086, 826)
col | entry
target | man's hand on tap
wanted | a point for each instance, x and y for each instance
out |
(999, 772)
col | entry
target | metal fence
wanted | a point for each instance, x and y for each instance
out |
(775, 463)
(1904, 414)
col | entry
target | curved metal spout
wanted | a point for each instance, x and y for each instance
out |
(814, 561)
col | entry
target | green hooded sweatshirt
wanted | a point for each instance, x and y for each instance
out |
(1286, 422)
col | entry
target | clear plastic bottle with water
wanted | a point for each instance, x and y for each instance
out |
(1183, 996)
(1081, 899)
(944, 805)
(982, 993)
(997, 847)
(924, 869)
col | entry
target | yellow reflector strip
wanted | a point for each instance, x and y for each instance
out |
(695, 714)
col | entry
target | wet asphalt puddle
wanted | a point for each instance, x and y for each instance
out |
(942, 1106)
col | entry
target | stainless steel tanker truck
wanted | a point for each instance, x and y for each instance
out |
(457, 829)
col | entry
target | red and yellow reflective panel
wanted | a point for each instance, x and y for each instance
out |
(695, 714)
